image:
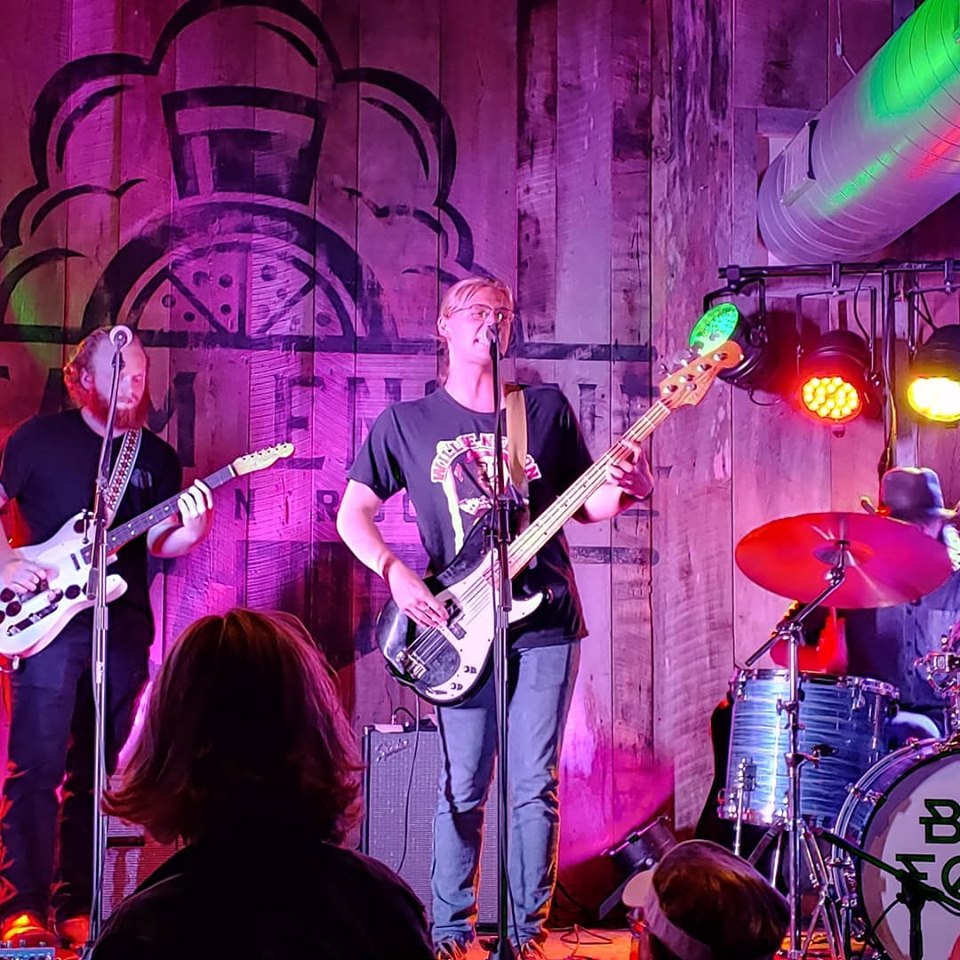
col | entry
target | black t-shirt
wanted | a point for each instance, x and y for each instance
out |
(435, 448)
(269, 890)
(49, 466)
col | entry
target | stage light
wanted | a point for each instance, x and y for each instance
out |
(934, 388)
(834, 382)
(761, 359)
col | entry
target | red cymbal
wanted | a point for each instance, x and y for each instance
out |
(887, 561)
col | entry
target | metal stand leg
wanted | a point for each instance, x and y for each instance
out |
(827, 911)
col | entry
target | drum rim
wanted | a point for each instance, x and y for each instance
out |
(871, 684)
(947, 748)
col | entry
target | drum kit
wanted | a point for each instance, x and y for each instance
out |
(874, 835)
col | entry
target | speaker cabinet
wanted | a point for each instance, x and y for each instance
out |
(402, 769)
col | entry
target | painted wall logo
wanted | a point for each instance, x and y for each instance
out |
(270, 219)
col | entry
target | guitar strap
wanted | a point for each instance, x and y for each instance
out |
(517, 437)
(122, 471)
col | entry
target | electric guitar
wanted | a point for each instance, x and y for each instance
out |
(30, 622)
(444, 664)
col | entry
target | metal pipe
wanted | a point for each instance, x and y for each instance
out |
(880, 156)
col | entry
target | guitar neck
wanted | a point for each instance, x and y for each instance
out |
(526, 546)
(125, 532)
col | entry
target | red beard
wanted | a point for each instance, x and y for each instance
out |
(127, 418)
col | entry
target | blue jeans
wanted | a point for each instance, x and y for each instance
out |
(540, 685)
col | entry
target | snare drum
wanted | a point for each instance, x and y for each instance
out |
(906, 811)
(843, 719)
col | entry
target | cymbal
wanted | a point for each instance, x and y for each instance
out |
(887, 561)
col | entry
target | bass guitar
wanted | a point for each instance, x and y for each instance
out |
(32, 621)
(444, 664)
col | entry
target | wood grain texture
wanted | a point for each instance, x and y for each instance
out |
(779, 51)
(584, 217)
(692, 587)
(537, 166)
(603, 157)
(639, 788)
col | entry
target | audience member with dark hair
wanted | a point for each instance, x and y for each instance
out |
(247, 756)
(703, 903)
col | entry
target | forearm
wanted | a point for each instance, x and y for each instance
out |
(609, 501)
(176, 540)
(360, 533)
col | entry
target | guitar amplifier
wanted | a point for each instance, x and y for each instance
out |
(401, 771)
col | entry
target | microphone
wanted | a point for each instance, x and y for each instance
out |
(491, 332)
(120, 336)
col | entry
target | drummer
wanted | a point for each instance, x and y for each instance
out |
(880, 643)
(884, 642)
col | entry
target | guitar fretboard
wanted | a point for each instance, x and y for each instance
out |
(525, 547)
(123, 534)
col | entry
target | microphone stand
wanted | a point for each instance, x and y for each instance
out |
(914, 892)
(498, 533)
(97, 591)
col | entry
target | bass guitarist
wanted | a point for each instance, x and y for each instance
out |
(440, 450)
(47, 475)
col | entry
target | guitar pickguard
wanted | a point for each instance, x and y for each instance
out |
(446, 664)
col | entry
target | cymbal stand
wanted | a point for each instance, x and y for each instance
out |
(791, 630)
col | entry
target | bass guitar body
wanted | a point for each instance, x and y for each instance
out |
(446, 664)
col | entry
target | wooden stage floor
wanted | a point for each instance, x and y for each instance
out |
(592, 945)
(610, 945)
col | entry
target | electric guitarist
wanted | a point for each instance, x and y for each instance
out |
(47, 475)
(440, 450)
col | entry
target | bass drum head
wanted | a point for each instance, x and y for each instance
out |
(906, 811)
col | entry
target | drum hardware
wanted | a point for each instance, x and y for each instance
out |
(915, 893)
(791, 630)
(871, 796)
(746, 784)
(827, 911)
(941, 668)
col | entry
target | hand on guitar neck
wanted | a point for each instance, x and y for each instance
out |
(180, 533)
(627, 480)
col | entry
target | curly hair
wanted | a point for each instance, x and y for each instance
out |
(244, 720)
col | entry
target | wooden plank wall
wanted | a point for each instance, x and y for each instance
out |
(276, 195)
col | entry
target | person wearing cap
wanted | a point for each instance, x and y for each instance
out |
(883, 643)
(703, 903)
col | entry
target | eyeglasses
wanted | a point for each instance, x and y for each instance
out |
(483, 313)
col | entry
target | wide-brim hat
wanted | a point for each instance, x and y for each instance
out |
(910, 493)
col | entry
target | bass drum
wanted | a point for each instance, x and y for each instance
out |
(905, 810)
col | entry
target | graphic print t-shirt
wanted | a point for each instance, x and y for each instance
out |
(49, 466)
(442, 454)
